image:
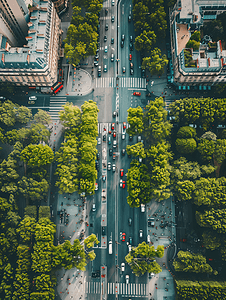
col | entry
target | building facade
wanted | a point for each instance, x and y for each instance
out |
(36, 63)
(205, 66)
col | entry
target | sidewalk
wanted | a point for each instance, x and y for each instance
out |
(161, 286)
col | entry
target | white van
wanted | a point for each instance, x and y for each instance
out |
(110, 247)
(142, 207)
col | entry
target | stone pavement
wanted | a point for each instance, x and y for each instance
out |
(161, 285)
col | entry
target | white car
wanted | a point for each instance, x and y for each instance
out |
(142, 207)
(123, 267)
(123, 136)
(127, 279)
(113, 167)
(106, 49)
(33, 98)
(114, 144)
(109, 166)
(99, 141)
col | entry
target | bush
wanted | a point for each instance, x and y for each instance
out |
(186, 132)
(186, 146)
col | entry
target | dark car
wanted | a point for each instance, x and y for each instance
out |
(98, 156)
(123, 37)
(130, 137)
(113, 19)
(122, 44)
(105, 38)
(104, 137)
(103, 230)
(97, 165)
(112, 40)
(106, 11)
(123, 151)
(130, 221)
(129, 18)
(110, 152)
(131, 47)
(106, 27)
(131, 72)
(143, 73)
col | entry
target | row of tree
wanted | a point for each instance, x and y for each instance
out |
(76, 157)
(150, 23)
(200, 290)
(82, 34)
(151, 178)
(204, 112)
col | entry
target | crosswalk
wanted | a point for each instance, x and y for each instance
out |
(106, 127)
(55, 106)
(126, 82)
(131, 289)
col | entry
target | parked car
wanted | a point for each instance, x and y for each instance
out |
(151, 222)
(139, 138)
(99, 141)
(122, 183)
(121, 172)
(98, 155)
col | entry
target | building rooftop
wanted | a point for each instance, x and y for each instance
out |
(35, 54)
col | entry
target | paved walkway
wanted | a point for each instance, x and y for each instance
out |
(161, 285)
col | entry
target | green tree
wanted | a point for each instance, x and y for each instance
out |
(186, 146)
(157, 128)
(11, 137)
(42, 117)
(8, 112)
(8, 176)
(136, 150)
(135, 120)
(138, 184)
(23, 114)
(30, 211)
(184, 190)
(26, 230)
(145, 41)
(211, 240)
(206, 149)
(37, 155)
(32, 189)
(214, 218)
(183, 170)
(188, 262)
(186, 132)
(155, 63)
(220, 151)
(193, 44)
(70, 116)
(141, 259)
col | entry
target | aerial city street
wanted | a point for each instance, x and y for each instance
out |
(113, 149)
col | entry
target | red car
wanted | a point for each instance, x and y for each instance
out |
(121, 172)
(123, 237)
(114, 134)
(112, 126)
(122, 183)
(136, 93)
(130, 57)
(124, 125)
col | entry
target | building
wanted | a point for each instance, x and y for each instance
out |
(36, 63)
(13, 21)
(205, 66)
